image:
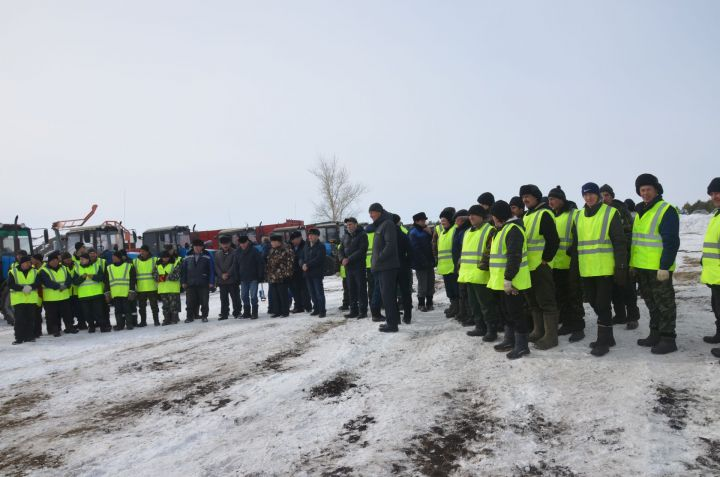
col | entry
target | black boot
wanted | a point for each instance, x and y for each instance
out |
(564, 330)
(478, 331)
(604, 341)
(521, 346)
(452, 310)
(407, 316)
(421, 303)
(715, 352)
(254, 312)
(508, 341)
(143, 319)
(491, 334)
(713, 339)
(665, 346)
(632, 325)
(352, 314)
(246, 313)
(429, 303)
(377, 316)
(577, 336)
(652, 339)
(120, 323)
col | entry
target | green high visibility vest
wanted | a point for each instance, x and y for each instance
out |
(20, 297)
(119, 280)
(445, 264)
(498, 261)
(368, 257)
(563, 224)
(404, 230)
(711, 253)
(89, 287)
(144, 274)
(646, 248)
(167, 286)
(474, 242)
(595, 249)
(58, 276)
(535, 241)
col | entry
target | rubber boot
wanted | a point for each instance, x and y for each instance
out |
(715, 352)
(480, 330)
(462, 315)
(377, 316)
(120, 323)
(130, 321)
(550, 340)
(652, 339)
(620, 317)
(521, 346)
(452, 310)
(575, 336)
(665, 346)
(156, 319)
(603, 342)
(491, 334)
(713, 339)
(508, 341)
(421, 303)
(538, 327)
(429, 303)
(254, 314)
(143, 319)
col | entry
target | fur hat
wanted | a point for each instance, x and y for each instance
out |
(448, 213)
(486, 198)
(531, 189)
(501, 210)
(647, 180)
(419, 216)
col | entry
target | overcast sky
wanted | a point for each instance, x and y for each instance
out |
(211, 112)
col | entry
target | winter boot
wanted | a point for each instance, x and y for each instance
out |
(665, 346)
(521, 346)
(480, 330)
(604, 341)
(620, 317)
(429, 303)
(538, 327)
(715, 352)
(377, 316)
(577, 336)
(463, 316)
(120, 323)
(564, 330)
(632, 325)
(254, 312)
(452, 309)
(352, 314)
(652, 339)
(156, 320)
(130, 322)
(491, 334)
(246, 313)
(507, 343)
(550, 340)
(421, 303)
(407, 316)
(175, 318)
(143, 319)
(713, 339)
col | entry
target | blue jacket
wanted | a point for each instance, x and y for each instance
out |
(421, 244)
(197, 272)
(458, 241)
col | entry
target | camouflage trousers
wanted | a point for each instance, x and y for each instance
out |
(170, 305)
(660, 300)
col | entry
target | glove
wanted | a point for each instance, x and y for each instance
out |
(27, 289)
(663, 275)
(107, 297)
(132, 295)
(63, 287)
(509, 288)
(620, 276)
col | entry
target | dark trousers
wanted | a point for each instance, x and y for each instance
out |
(660, 300)
(542, 294)
(376, 300)
(300, 292)
(515, 311)
(386, 281)
(25, 322)
(451, 286)
(196, 300)
(715, 302)
(93, 309)
(404, 284)
(77, 310)
(569, 297)
(124, 308)
(426, 283)
(599, 292)
(484, 306)
(317, 293)
(346, 293)
(230, 293)
(624, 300)
(37, 325)
(142, 300)
(370, 283)
(56, 311)
(281, 298)
(357, 287)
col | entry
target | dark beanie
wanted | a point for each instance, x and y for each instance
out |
(244, 238)
(630, 204)
(517, 202)
(531, 189)
(396, 218)
(647, 180)
(293, 235)
(419, 216)
(350, 220)
(23, 259)
(37, 257)
(557, 193)
(590, 188)
(197, 243)
(276, 238)
(85, 255)
(53, 255)
(118, 254)
(478, 210)
(608, 189)
(714, 185)
(460, 213)
(447, 213)
(486, 198)
(165, 254)
(501, 210)
(311, 232)
(225, 239)
(145, 247)
(376, 207)
(79, 245)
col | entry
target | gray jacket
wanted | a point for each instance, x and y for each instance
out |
(385, 245)
(225, 263)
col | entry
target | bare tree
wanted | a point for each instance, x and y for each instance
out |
(337, 192)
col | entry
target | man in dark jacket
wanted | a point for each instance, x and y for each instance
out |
(298, 286)
(312, 263)
(226, 279)
(197, 276)
(385, 264)
(249, 270)
(462, 223)
(405, 272)
(422, 261)
(352, 256)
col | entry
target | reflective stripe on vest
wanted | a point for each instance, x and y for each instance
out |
(167, 286)
(20, 297)
(535, 241)
(58, 276)
(445, 264)
(144, 274)
(711, 253)
(119, 280)
(89, 287)
(647, 247)
(498, 261)
(368, 257)
(474, 242)
(595, 249)
(563, 224)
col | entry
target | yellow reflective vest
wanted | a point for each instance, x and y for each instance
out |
(119, 280)
(535, 241)
(711, 253)
(167, 286)
(20, 297)
(474, 243)
(368, 257)
(563, 224)
(498, 261)
(89, 287)
(647, 247)
(144, 275)
(58, 276)
(445, 265)
(595, 249)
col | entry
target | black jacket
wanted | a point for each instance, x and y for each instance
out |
(514, 240)
(385, 244)
(314, 257)
(249, 265)
(197, 270)
(354, 248)
(404, 250)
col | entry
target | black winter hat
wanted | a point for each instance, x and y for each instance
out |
(276, 238)
(530, 189)
(91, 250)
(608, 189)
(351, 219)
(590, 188)
(647, 180)
(310, 232)
(79, 245)
(396, 218)
(630, 204)
(376, 207)
(558, 193)
(478, 210)
(225, 239)
(37, 257)
(118, 254)
(53, 256)
(165, 254)
(714, 186)
(517, 202)
(65, 256)
(447, 213)
(244, 238)
(145, 247)
(460, 213)
(419, 216)
(84, 255)
(293, 235)
(501, 210)
(23, 259)
(486, 198)
(198, 243)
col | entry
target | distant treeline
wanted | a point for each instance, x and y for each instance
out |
(705, 205)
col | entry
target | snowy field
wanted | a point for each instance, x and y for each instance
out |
(307, 396)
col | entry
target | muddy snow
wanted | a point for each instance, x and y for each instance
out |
(308, 396)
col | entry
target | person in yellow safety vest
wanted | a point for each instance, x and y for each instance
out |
(36, 261)
(443, 240)
(89, 279)
(69, 263)
(23, 283)
(510, 278)
(600, 244)
(94, 258)
(167, 276)
(474, 271)
(542, 245)
(79, 250)
(146, 287)
(464, 315)
(711, 262)
(655, 243)
(121, 281)
(374, 301)
(57, 288)
(566, 275)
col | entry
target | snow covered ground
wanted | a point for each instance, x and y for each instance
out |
(308, 396)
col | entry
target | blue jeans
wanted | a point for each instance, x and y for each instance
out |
(317, 293)
(249, 291)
